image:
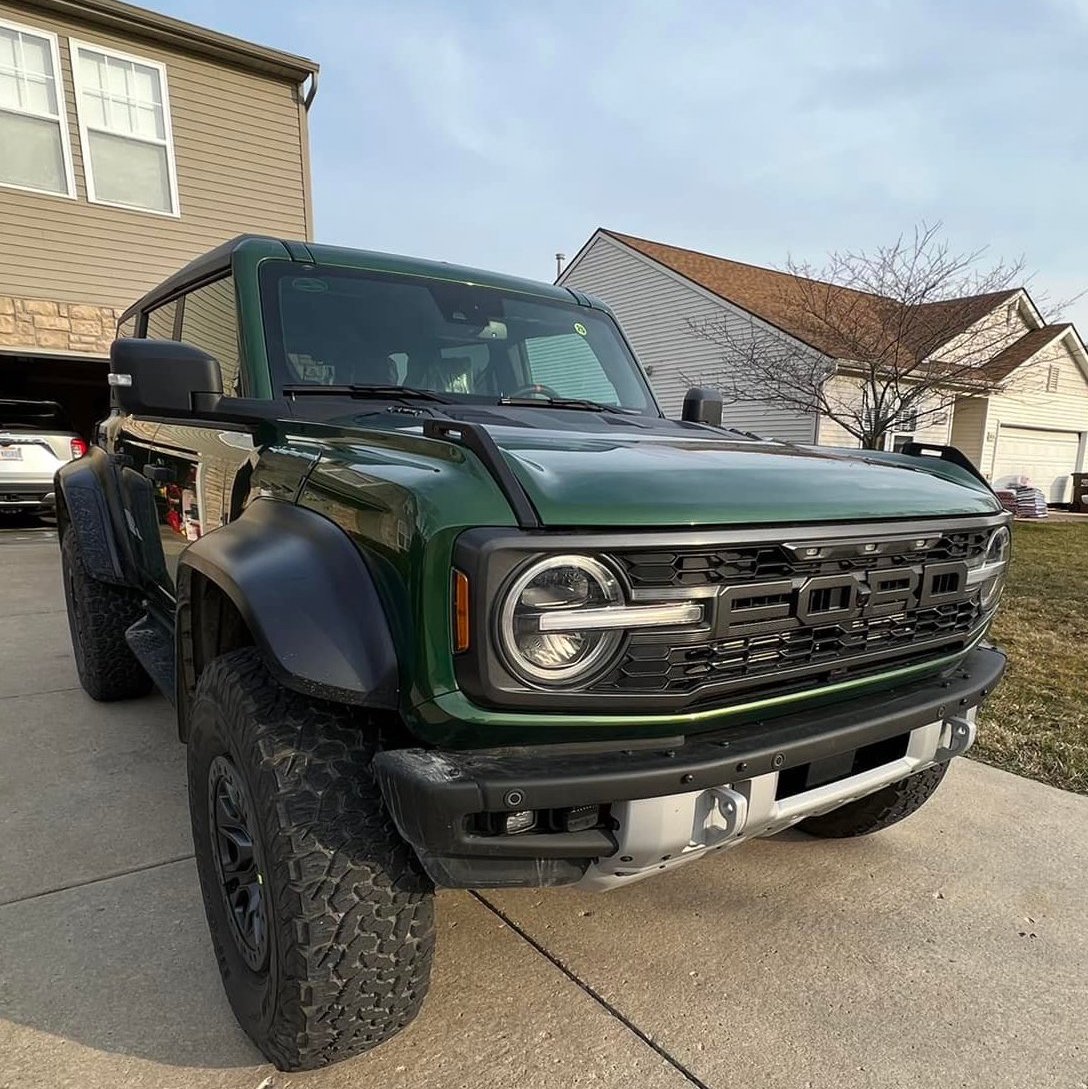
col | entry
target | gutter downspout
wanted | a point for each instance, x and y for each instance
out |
(311, 94)
(305, 100)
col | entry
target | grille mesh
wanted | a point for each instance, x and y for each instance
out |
(721, 566)
(658, 667)
(756, 657)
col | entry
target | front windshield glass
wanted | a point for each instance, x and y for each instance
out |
(330, 326)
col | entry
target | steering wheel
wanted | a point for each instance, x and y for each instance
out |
(536, 390)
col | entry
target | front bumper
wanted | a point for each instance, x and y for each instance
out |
(436, 796)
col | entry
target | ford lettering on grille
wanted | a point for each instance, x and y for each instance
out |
(832, 599)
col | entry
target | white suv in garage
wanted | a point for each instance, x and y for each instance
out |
(35, 441)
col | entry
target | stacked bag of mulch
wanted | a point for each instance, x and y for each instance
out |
(1023, 500)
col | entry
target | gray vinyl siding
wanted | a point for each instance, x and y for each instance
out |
(240, 148)
(655, 309)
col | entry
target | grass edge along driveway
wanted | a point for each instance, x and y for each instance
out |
(1036, 723)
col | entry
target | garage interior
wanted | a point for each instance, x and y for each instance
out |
(77, 383)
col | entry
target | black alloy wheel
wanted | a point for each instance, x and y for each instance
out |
(238, 861)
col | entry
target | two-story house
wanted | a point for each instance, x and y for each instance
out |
(129, 143)
(1030, 420)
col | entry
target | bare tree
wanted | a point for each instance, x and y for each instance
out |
(888, 339)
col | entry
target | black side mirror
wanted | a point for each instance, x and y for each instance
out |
(703, 406)
(162, 377)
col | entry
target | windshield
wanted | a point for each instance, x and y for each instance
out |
(329, 326)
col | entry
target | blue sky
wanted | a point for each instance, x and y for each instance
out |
(496, 133)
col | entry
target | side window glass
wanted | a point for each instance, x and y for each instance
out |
(126, 328)
(209, 320)
(567, 364)
(160, 322)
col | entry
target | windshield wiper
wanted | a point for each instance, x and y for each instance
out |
(366, 390)
(565, 402)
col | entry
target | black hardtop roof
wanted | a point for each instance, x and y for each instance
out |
(216, 261)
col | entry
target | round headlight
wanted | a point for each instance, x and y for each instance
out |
(559, 584)
(997, 551)
(997, 557)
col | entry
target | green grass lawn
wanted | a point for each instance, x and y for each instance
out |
(1036, 723)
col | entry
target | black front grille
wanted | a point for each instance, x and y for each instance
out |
(842, 649)
(721, 566)
(875, 603)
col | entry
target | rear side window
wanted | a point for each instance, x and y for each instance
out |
(209, 320)
(160, 321)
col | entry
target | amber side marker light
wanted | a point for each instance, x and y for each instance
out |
(460, 612)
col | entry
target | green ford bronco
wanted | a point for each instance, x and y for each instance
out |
(442, 599)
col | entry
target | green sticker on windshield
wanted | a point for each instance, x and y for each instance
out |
(579, 328)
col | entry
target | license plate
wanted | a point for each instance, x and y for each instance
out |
(11, 453)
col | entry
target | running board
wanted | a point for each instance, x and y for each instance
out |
(153, 644)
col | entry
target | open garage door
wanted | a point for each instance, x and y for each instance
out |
(77, 383)
(1046, 458)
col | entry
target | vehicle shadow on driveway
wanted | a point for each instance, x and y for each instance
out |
(123, 966)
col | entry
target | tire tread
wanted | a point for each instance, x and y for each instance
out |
(108, 670)
(879, 810)
(353, 908)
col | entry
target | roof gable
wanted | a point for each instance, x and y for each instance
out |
(1023, 351)
(766, 293)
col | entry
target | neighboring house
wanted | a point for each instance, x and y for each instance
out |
(129, 143)
(1033, 426)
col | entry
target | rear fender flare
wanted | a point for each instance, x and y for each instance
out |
(88, 504)
(307, 597)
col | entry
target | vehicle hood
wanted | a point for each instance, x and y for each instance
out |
(595, 480)
(582, 469)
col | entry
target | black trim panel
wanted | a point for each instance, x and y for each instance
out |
(89, 491)
(308, 598)
(479, 441)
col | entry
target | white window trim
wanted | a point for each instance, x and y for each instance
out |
(62, 120)
(74, 46)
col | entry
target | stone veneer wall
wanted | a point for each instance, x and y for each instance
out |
(56, 326)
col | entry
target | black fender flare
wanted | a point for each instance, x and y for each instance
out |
(88, 504)
(308, 598)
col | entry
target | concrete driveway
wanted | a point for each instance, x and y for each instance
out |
(951, 951)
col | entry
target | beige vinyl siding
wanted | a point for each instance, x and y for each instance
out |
(845, 394)
(240, 150)
(655, 308)
(969, 427)
(1025, 402)
(1002, 326)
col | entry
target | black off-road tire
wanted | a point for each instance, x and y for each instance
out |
(349, 912)
(98, 615)
(876, 811)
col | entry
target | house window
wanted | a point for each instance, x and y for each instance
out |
(1053, 376)
(124, 126)
(34, 151)
(209, 320)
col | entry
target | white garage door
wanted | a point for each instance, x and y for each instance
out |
(1046, 458)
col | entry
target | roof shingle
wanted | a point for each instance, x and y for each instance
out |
(769, 295)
